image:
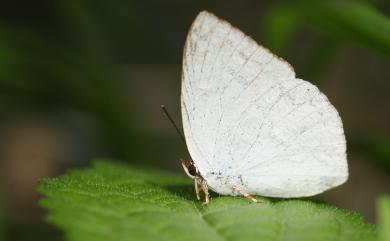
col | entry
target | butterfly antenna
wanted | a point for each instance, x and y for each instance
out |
(173, 123)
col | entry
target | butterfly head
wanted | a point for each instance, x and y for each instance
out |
(190, 168)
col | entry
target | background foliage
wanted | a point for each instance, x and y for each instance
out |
(85, 79)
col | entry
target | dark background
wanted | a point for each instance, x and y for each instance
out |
(85, 79)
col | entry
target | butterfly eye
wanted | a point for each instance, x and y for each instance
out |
(192, 170)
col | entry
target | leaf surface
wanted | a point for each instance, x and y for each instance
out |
(118, 202)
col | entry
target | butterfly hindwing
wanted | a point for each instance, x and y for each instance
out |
(250, 123)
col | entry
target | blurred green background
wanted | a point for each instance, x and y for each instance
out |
(85, 79)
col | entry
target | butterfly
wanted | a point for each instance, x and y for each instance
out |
(251, 127)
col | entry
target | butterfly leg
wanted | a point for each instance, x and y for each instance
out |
(196, 188)
(245, 194)
(206, 192)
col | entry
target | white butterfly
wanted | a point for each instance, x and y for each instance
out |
(250, 125)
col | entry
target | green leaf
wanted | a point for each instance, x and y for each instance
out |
(384, 218)
(117, 202)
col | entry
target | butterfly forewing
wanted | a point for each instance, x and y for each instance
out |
(249, 123)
